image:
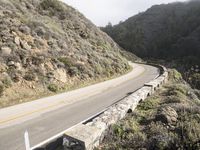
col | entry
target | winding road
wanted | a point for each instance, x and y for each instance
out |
(47, 117)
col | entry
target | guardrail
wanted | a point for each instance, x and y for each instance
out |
(90, 132)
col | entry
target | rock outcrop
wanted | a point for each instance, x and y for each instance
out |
(167, 115)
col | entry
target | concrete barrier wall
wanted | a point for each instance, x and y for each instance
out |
(88, 135)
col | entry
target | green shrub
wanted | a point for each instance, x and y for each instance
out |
(73, 71)
(7, 82)
(1, 89)
(174, 75)
(178, 87)
(173, 99)
(195, 80)
(53, 88)
(118, 130)
(54, 4)
(177, 92)
(189, 130)
(54, 7)
(197, 92)
(156, 128)
(149, 103)
(66, 61)
(30, 76)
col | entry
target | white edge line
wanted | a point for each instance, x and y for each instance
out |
(61, 133)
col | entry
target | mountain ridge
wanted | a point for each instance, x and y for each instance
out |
(167, 32)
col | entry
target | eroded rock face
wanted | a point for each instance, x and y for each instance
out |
(167, 115)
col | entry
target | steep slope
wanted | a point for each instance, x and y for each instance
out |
(169, 32)
(167, 120)
(47, 46)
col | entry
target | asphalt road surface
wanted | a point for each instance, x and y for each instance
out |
(46, 117)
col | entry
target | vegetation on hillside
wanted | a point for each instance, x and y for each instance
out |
(167, 120)
(170, 32)
(47, 46)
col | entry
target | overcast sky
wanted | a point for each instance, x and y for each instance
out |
(100, 12)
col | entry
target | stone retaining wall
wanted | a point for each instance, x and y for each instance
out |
(89, 135)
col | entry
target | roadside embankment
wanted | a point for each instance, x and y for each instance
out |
(89, 134)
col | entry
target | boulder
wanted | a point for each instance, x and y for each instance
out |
(40, 31)
(167, 115)
(25, 45)
(6, 50)
(17, 40)
(60, 75)
(17, 65)
(3, 67)
(24, 29)
(11, 63)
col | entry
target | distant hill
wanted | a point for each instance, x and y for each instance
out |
(47, 46)
(163, 31)
(169, 31)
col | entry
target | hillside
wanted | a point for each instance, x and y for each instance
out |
(47, 47)
(167, 120)
(170, 32)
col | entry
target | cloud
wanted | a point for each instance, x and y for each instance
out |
(100, 12)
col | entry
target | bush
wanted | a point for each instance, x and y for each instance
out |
(1, 90)
(173, 99)
(189, 130)
(30, 76)
(174, 75)
(53, 88)
(52, 6)
(137, 141)
(178, 87)
(177, 92)
(73, 71)
(195, 80)
(46, 4)
(7, 82)
(149, 103)
(66, 61)
(197, 92)
(118, 130)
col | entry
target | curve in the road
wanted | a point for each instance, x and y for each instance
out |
(50, 122)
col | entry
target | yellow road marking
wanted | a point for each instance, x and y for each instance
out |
(34, 111)
(29, 113)
(45, 108)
